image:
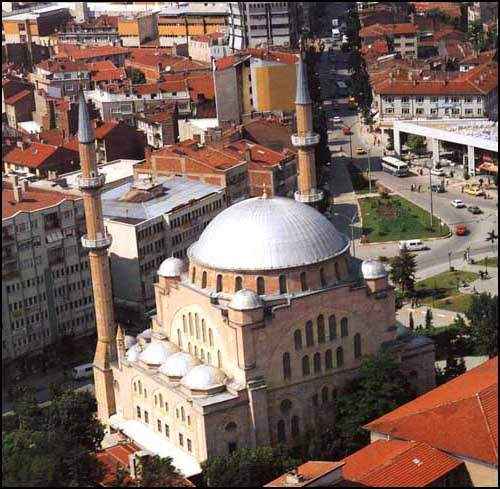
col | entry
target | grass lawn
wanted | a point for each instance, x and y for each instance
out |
(394, 218)
(492, 260)
(444, 288)
(360, 181)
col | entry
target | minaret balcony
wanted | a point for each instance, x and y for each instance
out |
(89, 183)
(314, 195)
(101, 241)
(304, 140)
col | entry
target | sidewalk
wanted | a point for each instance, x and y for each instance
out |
(441, 317)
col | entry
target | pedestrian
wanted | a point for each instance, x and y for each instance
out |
(462, 189)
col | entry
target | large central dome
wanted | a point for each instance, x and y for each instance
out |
(267, 234)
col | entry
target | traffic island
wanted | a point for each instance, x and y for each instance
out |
(393, 218)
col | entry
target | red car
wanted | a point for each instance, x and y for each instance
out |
(347, 131)
(461, 230)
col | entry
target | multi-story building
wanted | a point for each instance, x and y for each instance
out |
(159, 126)
(253, 24)
(19, 107)
(401, 38)
(102, 30)
(208, 47)
(61, 77)
(256, 80)
(483, 12)
(470, 94)
(149, 222)
(139, 29)
(46, 284)
(115, 54)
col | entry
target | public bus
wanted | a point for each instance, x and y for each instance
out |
(394, 166)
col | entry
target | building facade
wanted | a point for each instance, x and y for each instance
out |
(46, 294)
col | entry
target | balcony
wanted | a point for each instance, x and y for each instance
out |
(314, 196)
(102, 241)
(90, 183)
(310, 139)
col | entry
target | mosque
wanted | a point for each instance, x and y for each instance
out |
(255, 335)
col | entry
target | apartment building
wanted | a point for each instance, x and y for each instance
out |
(253, 24)
(483, 12)
(81, 54)
(159, 126)
(470, 94)
(139, 29)
(150, 220)
(18, 107)
(255, 80)
(101, 30)
(208, 47)
(46, 283)
(401, 38)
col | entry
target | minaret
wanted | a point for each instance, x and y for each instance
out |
(97, 242)
(305, 140)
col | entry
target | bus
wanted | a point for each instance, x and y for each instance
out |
(394, 166)
(83, 371)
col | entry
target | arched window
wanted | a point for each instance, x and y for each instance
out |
(231, 427)
(203, 331)
(197, 325)
(357, 345)
(160, 399)
(324, 395)
(297, 339)
(344, 329)
(193, 276)
(183, 414)
(261, 286)
(179, 338)
(321, 329)
(322, 277)
(281, 431)
(317, 363)
(282, 280)
(332, 328)
(303, 281)
(190, 349)
(210, 337)
(287, 369)
(190, 321)
(328, 360)
(135, 387)
(140, 386)
(219, 360)
(309, 334)
(184, 323)
(202, 355)
(218, 285)
(156, 400)
(337, 271)
(285, 406)
(204, 280)
(295, 426)
(306, 368)
(238, 284)
(209, 358)
(340, 357)
(195, 351)
(334, 394)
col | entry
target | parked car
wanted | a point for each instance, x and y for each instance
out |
(459, 204)
(473, 189)
(474, 209)
(438, 188)
(438, 172)
(337, 120)
(412, 245)
(461, 230)
(360, 151)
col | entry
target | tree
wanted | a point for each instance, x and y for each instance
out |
(429, 320)
(403, 269)
(137, 77)
(248, 467)
(411, 322)
(380, 387)
(483, 323)
(416, 144)
(156, 471)
(452, 369)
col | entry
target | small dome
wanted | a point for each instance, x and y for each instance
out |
(245, 299)
(133, 353)
(172, 267)
(156, 353)
(178, 364)
(203, 377)
(373, 269)
(129, 341)
(146, 334)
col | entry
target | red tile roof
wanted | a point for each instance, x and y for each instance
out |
(54, 137)
(34, 156)
(457, 417)
(33, 200)
(262, 158)
(17, 97)
(95, 52)
(114, 458)
(383, 30)
(151, 59)
(210, 37)
(450, 8)
(309, 472)
(271, 55)
(61, 65)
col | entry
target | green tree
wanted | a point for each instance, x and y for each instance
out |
(453, 369)
(248, 467)
(482, 316)
(476, 36)
(137, 77)
(403, 270)
(156, 471)
(429, 320)
(411, 321)
(416, 144)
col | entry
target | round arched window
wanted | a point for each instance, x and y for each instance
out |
(231, 427)
(285, 406)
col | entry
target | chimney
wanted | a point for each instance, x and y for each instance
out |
(197, 138)
(18, 194)
(293, 478)
(52, 175)
(24, 185)
(22, 144)
(248, 155)
(14, 180)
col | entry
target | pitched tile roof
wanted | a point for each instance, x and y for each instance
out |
(96, 51)
(17, 97)
(458, 417)
(279, 56)
(261, 158)
(34, 156)
(61, 65)
(309, 472)
(383, 30)
(450, 8)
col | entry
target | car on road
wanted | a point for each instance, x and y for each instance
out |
(474, 209)
(337, 120)
(475, 190)
(459, 204)
(360, 151)
(461, 230)
(412, 245)
(437, 172)
(438, 188)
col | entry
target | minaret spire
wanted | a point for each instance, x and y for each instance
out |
(97, 242)
(305, 140)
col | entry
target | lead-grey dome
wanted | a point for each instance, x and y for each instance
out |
(172, 267)
(267, 234)
(245, 299)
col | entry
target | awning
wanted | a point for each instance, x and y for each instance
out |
(143, 436)
(489, 167)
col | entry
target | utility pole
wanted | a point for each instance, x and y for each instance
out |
(432, 206)
(369, 170)
(449, 259)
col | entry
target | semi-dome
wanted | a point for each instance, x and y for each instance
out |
(203, 378)
(146, 334)
(133, 353)
(267, 234)
(129, 341)
(373, 269)
(172, 267)
(245, 299)
(156, 353)
(178, 364)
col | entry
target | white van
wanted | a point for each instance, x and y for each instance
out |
(412, 245)
(83, 371)
(337, 120)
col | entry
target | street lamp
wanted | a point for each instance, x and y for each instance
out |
(350, 223)
(430, 191)
(449, 259)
